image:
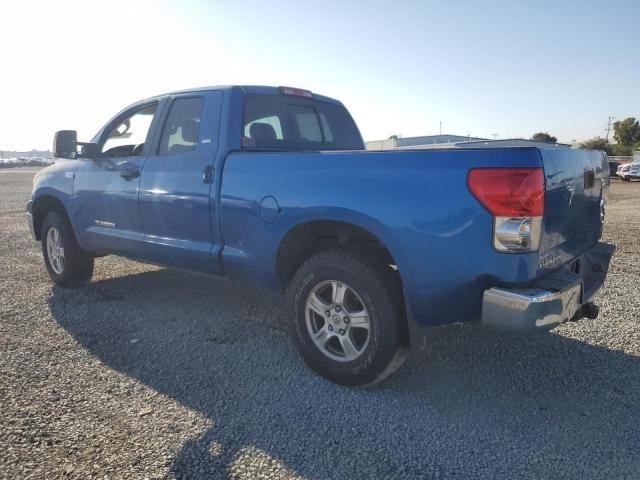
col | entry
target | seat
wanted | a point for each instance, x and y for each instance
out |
(263, 134)
(189, 132)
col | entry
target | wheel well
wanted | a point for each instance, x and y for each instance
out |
(306, 239)
(41, 207)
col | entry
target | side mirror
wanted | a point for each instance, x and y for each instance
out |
(88, 150)
(65, 144)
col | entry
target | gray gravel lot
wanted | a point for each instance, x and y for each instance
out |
(151, 373)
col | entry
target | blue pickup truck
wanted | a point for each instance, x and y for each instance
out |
(273, 185)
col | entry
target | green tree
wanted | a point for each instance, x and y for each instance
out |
(596, 143)
(627, 132)
(544, 137)
(394, 137)
(619, 149)
(599, 143)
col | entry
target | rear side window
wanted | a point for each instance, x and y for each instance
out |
(283, 122)
(182, 126)
(307, 120)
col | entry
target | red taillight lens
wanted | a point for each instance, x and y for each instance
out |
(509, 192)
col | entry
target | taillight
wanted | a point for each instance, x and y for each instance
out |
(509, 191)
(515, 198)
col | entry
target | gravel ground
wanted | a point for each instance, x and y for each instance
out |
(150, 373)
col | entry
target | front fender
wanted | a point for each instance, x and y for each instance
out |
(52, 186)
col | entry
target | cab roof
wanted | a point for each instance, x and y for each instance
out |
(246, 89)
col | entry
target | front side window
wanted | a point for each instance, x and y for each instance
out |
(128, 136)
(182, 127)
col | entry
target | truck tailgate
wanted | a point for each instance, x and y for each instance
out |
(577, 183)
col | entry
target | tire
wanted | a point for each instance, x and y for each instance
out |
(369, 291)
(68, 265)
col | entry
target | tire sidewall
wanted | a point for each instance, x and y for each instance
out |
(78, 264)
(53, 220)
(383, 334)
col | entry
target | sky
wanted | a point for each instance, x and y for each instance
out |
(482, 68)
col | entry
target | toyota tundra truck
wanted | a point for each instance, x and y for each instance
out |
(371, 248)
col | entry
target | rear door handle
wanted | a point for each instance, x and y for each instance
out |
(207, 174)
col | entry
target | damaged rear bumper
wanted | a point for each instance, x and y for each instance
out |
(563, 295)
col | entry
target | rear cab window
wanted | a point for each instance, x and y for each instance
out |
(287, 122)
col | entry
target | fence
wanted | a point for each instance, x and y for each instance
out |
(622, 159)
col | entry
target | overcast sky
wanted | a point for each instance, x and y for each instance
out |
(509, 68)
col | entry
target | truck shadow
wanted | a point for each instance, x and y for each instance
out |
(499, 402)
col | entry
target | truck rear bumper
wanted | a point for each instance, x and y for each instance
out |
(552, 300)
(529, 309)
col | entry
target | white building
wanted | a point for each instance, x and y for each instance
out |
(455, 141)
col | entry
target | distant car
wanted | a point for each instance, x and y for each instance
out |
(613, 167)
(629, 171)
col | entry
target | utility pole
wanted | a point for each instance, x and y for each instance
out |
(611, 119)
(440, 127)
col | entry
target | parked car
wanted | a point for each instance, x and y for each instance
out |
(273, 185)
(613, 167)
(629, 171)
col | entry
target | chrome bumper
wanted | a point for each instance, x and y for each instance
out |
(30, 221)
(529, 309)
(558, 297)
(31, 229)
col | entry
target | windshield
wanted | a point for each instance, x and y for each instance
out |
(281, 122)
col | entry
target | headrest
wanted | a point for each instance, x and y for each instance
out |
(190, 130)
(262, 133)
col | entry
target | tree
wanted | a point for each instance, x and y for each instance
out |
(617, 149)
(627, 131)
(394, 137)
(596, 143)
(543, 137)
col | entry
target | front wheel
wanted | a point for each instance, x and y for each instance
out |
(347, 318)
(68, 265)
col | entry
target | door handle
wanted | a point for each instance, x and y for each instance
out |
(207, 174)
(128, 171)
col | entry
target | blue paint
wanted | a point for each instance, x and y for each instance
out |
(416, 202)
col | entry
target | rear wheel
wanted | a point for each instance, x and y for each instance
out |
(346, 318)
(68, 265)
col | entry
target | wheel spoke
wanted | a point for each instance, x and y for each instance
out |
(359, 319)
(321, 336)
(349, 349)
(55, 250)
(339, 290)
(314, 303)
